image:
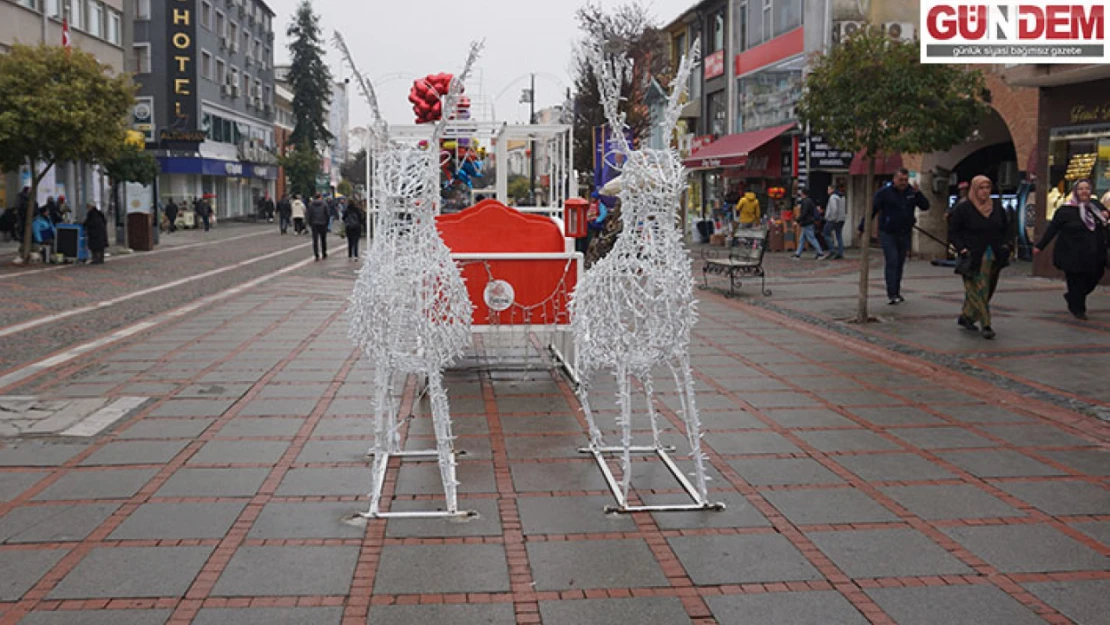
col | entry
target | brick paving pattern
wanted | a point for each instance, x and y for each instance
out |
(863, 485)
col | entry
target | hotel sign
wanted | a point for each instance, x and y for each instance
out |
(182, 70)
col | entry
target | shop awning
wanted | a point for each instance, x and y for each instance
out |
(885, 164)
(733, 150)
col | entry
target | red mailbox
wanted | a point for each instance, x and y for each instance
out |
(574, 215)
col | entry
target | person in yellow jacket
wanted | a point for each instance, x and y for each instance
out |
(747, 211)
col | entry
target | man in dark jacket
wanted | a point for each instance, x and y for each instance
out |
(895, 206)
(204, 211)
(96, 233)
(317, 216)
(285, 213)
(171, 216)
(807, 219)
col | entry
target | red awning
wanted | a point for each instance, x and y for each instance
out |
(885, 164)
(733, 150)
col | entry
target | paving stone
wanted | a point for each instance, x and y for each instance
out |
(712, 560)
(98, 617)
(98, 484)
(555, 446)
(270, 571)
(192, 408)
(325, 482)
(897, 415)
(738, 443)
(809, 418)
(478, 614)
(639, 610)
(886, 553)
(307, 520)
(21, 569)
(38, 454)
(546, 404)
(135, 452)
(1099, 530)
(1092, 462)
(583, 475)
(244, 427)
(742, 386)
(651, 474)
(847, 440)
(998, 463)
(332, 451)
(469, 447)
(942, 438)
(166, 428)
(188, 482)
(1036, 436)
(780, 400)
(215, 390)
(240, 452)
(461, 425)
(14, 483)
(279, 407)
(344, 426)
(168, 521)
(950, 501)
(738, 512)
(357, 407)
(795, 608)
(136, 572)
(580, 565)
(487, 523)
(407, 569)
(980, 604)
(547, 423)
(53, 523)
(571, 515)
(892, 467)
(827, 506)
(712, 421)
(778, 471)
(422, 478)
(982, 413)
(1059, 498)
(292, 391)
(1027, 548)
(1086, 602)
(269, 616)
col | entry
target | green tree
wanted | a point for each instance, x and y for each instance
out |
(310, 80)
(519, 187)
(132, 164)
(872, 94)
(301, 166)
(58, 105)
(630, 30)
(354, 170)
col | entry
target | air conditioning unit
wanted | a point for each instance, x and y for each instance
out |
(249, 61)
(227, 90)
(235, 91)
(903, 31)
(233, 47)
(844, 30)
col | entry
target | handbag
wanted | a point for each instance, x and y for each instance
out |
(963, 266)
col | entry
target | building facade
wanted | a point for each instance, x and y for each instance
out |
(206, 99)
(283, 129)
(99, 27)
(339, 125)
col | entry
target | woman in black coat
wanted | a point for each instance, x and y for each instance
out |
(1081, 224)
(979, 228)
(96, 232)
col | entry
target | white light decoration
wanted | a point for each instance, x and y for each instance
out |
(409, 311)
(635, 308)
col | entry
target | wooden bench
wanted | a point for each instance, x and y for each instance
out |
(743, 259)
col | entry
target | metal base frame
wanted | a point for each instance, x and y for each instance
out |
(663, 453)
(379, 481)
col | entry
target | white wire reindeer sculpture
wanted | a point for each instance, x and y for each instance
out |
(410, 311)
(635, 308)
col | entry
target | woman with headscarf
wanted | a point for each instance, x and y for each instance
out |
(1081, 224)
(979, 229)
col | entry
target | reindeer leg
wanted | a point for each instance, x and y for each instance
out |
(441, 417)
(625, 400)
(583, 392)
(693, 424)
(649, 391)
(383, 434)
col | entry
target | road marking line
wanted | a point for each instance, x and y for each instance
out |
(97, 421)
(34, 368)
(34, 323)
(172, 248)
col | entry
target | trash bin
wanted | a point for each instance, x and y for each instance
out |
(138, 232)
(71, 242)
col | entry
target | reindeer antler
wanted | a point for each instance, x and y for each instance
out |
(611, 71)
(678, 87)
(378, 126)
(451, 100)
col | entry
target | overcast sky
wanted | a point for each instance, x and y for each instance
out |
(394, 41)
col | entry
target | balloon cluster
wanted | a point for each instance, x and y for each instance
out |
(425, 96)
(461, 161)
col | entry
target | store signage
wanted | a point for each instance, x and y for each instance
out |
(1083, 114)
(142, 117)
(182, 136)
(715, 64)
(233, 169)
(825, 156)
(1003, 31)
(181, 75)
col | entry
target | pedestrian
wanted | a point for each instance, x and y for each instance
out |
(203, 210)
(318, 216)
(807, 217)
(64, 210)
(895, 205)
(285, 213)
(96, 233)
(268, 205)
(352, 221)
(43, 231)
(747, 211)
(980, 230)
(297, 210)
(171, 216)
(1081, 224)
(835, 215)
(53, 211)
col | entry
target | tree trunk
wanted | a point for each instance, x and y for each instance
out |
(865, 244)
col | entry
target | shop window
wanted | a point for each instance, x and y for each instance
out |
(1074, 157)
(767, 98)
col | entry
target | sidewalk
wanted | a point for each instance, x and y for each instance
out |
(863, 484)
